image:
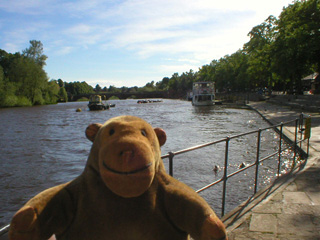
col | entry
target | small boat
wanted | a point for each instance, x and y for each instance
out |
(149, 101)
(95, 103)
(203, 94)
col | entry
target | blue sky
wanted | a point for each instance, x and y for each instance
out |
(130, 43)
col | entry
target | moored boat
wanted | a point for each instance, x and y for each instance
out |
(95, 103)
(149, 101)
(203, 94)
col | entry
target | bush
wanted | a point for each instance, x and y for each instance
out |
(83, 99)
(10, 101)
(23, 102)
(114, 98)
(38, 99)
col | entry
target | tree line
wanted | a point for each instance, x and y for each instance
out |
(24, 82)
(280, 52)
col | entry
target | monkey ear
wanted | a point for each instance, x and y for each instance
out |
(92, 130)
(162, 136)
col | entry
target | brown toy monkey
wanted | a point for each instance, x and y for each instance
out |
(123, 193)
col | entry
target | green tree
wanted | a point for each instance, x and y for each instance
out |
(98, 88)
(63, 96)
(186, 81)
(29, 78)
(61, 83)
(259, 50)
(2, 92)
(206, 73)
(163, 84)
(297, 46)
(149, 87)
(113, 89)
(24, 81)
(35, 52)
(78, 88)
(51, 93)
(173, 83)
(224, 74)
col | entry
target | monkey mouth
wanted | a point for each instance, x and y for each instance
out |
(127, 173)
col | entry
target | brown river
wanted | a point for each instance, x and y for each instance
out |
(44, 146)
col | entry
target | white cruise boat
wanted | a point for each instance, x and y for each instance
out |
(203, 94)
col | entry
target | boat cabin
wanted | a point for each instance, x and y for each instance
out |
(203, 94)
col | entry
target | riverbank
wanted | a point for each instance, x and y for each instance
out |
(290, 207)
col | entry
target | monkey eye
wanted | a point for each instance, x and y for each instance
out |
(143, 132)
(111, 132)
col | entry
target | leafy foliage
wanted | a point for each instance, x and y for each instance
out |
(77, 88)
(23, 81)
(35, 52)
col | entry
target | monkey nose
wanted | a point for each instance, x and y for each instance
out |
(127, 155)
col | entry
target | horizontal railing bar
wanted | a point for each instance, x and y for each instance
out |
(4, 229)
(251, 165)
(235, 173)
(268, 156)
(243, 134)
(221, 140)
(220, 180)
(209, 185)
(241, 170)
(193, 148)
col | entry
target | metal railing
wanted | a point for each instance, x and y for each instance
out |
(294, 143)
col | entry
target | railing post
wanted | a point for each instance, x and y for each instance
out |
(308, 142)
(171, 155)
(225, 177)
(295, 144)
(301, 129)
(257, 162)
(280, 149)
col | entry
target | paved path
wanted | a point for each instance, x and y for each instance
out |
(290, 208)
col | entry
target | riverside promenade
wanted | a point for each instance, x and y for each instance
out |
(289, 209)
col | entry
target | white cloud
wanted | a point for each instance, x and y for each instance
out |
(11, 47)
(177, 68)
(79, 29)
(173, 27)
(64, 50)
(193, 61)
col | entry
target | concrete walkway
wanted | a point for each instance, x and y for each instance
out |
(289, 208)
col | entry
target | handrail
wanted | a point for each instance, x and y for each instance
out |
(278, 128)
(4, 229)
(298, 123)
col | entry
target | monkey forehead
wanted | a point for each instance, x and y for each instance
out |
(127, 125)
(125, 119)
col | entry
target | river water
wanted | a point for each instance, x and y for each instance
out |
(44, 146)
